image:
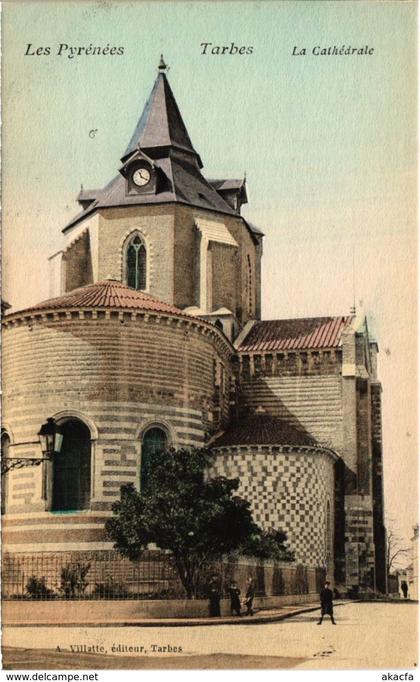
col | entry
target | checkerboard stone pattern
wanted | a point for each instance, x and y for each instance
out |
(290, 491)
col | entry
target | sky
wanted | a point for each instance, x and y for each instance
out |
(328, 144)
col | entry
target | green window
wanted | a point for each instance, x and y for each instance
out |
(154, 440)
(71, 469)
(136, 264)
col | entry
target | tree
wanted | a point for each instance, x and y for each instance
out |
(198, 518)
(396, 553)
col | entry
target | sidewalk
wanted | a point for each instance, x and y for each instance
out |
(262, 616)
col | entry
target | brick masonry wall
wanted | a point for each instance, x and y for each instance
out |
(117, 372)
(312, 402)
(308, 390)
(377, 487)
(288, 491)
(364, 437)
(224, 277)
(171, 238)
(229, 264)
(359, 541)
(156, 225)
(77, 262)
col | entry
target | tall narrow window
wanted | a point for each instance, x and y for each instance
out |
(136, 264)
(249, 285)
(5, 444)
(71, 469)
(154, 440)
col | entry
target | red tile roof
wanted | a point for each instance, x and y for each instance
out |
(281, 335)
(106, 294)
(264, 429)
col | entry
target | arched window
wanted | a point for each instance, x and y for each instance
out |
(154, 440)
(5, 445)
(136, 264)
(71, 469)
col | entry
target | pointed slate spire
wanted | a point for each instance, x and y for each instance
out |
(161, 123)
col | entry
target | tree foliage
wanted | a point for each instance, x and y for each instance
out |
(199, 519)
(268, 544)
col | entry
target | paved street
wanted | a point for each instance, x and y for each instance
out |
(381, 635)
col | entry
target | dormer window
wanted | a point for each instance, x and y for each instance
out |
(136, 264)
(140, 173)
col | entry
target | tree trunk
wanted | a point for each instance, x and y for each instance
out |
(185, 576)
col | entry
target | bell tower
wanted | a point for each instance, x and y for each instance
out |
(162, 227)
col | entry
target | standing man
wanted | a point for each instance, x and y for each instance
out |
(235, 602)
(404, 588)
(326, 597)
(249, 597)
(214, 597)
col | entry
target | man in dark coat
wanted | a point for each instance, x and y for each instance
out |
(214, 596)
(249, 597)
(404, 588)
(326, 598)
(235, 602)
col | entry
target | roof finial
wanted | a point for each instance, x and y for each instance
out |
(162, 66)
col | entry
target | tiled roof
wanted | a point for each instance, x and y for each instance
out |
(309, 332)
(106, 294)
(264, 429)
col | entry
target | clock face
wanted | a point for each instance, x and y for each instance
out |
(141, 177)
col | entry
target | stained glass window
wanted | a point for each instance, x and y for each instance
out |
(136, 264)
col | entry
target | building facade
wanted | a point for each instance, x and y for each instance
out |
(152, 337)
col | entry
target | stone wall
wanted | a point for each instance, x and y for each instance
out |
(118, 373)
(156, 227)
(288, 490)
(77, 263)
(229, 264)
(104, 611)
(359, 541)
(311, 402)
(377, 488)
(171, 239)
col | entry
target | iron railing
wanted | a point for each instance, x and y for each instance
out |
(107, 575)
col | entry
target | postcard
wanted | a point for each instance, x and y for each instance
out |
(209, 407)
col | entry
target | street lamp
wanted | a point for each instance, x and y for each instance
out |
(51, 438)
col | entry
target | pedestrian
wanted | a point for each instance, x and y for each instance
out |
(404, 588)
(249, 596)
(326, 598)
(214, 596)
(235, 602)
